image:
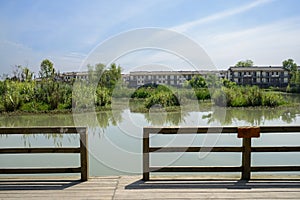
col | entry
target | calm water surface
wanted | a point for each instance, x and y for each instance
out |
(115, 138)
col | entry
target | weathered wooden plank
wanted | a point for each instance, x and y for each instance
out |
(218, 129)
(39, 170)
(279, 129)
(205, 189)
(194, 149)
(275, 149)
(192, 194)
(41, 130)
(84, 156)
(146, 159)
(246, 159)
(274, 168)
(190, 130)
(194, 169)
(38, 150)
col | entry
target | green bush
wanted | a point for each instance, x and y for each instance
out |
(202, 94)
(254, 96)
(246, 96)
(122, 92)
(2, 108)
(272, 99)
(219, 98)
(142, 92)
(35, 106)
(103, 96)
(165, 99)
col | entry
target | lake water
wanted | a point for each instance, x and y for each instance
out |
(115, 138)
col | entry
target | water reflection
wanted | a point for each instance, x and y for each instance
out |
(252, 116)
(164, 118)
(96, 126)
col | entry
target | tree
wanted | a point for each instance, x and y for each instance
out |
(47, 70)
(292, 68)
(197, 82)
(246, 63)
(106, 77)
(26, 75)
(21, 73)
(289, 65)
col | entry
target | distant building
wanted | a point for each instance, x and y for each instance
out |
(261, 76)
(172, 78)
(69, 76)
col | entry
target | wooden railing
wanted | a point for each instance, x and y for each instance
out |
(82, 150)
(244, 133)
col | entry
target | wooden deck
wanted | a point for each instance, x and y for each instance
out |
(132, 187)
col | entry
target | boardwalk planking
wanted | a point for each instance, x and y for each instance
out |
(131, 187)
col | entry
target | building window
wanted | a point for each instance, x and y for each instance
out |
(286, 73)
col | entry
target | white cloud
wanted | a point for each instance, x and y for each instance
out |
(268, 44)
(221, 15)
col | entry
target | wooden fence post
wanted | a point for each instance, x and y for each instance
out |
(84, 155)
(146, 163)
(247, 133)
(246, 159)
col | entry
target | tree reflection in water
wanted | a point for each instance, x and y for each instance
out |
(95, 126)
(252, 116)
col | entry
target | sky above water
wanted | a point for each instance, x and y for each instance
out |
(67, 31)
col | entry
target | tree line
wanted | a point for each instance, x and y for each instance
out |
(22, 92)
(47, 93)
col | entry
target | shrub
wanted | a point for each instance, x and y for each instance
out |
(219, 98)
(165, 99)
(35, 106)
(202, 94)
(142, 93)
(272, 99)
(103, 96)
(246, 96)
(254, 96)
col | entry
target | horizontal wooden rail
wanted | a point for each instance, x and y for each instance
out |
(42, 130)
(82, 150)
(217, 129)
(194, 149)
(194, 169)
(246, 149)
(275, 149)
(38, 150)
(40, 170)
(275, 168)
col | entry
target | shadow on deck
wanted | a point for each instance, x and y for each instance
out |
(37, 184)
(215, 184)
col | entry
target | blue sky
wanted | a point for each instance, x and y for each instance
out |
(66, 31)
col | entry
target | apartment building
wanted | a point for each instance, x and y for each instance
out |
(263, 77)
(69, 76)
(172, 78)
